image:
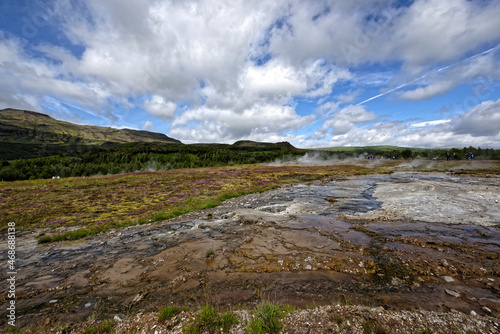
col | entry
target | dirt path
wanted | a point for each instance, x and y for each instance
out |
(400, 241)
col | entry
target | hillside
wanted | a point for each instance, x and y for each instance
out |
(28, 134)
(261, 145)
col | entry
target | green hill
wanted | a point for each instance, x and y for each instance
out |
(28, 134)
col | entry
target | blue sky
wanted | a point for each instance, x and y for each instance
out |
(422, 73)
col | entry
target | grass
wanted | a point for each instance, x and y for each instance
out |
(208, 320)
(71, 235)
(267, 319)
(103, 327)
(89, 205)
(287, 308)
(168, 312)
(210, 254)
(366, 328)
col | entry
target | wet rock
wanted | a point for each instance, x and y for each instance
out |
(53, 301)
(453, 293)
(88, 305)
(474, 314)
(485, 309)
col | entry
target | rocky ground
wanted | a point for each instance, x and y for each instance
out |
(327, 319)
(414, 250)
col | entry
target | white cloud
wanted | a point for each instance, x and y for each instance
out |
(482, 120)
(25, 82)
(429, 123)
(348, 97)
(345, 120)
(429, 91)
(274, 79)
(239, 66)
(477, 127)
(426, 32)
(159, 107)
(486, 68)
(148, 125)
(433, 31)
(260, 122)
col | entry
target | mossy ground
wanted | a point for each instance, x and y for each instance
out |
(99, 203)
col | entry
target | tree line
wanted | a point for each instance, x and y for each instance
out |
(144, 157)
(138, 158)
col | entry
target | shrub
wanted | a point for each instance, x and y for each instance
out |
(168, 312)
(209, 321)
(266, 320)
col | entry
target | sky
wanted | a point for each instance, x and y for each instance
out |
(316, 73)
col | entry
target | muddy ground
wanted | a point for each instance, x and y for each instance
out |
(405, 241)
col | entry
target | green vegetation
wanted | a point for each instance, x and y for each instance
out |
(71, 235)
(366, 328)
(210, 254)
(168, 312)
(287, 308)
(103, 327)
(141, 157)
(84, 206)
(267, 319)
(208, 320)
(406, 152)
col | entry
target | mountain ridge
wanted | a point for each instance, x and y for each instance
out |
(34, 123)
(29, 134)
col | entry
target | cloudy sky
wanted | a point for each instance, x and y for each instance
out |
(423, 73)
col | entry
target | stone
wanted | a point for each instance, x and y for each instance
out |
(88, 305)
(485, 309)
(448, 279)
(453, 293)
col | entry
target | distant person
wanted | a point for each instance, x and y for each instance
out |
(455, 156)
(448, 156)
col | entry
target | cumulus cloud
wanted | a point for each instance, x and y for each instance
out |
(259, 122)
(477, 127)
(26, 82)
(441, 30)
(160, 107)
(425, 32)
(482, 120)
(345, 120)
(218, 70)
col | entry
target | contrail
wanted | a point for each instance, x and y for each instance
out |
(415, 80)
(425, 75)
